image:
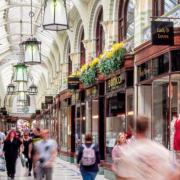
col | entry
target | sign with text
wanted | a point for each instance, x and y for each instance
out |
(115, 82)
(49, 99)
(73, 83)
(162, 33)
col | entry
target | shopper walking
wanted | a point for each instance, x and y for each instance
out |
(36, 136)
(11, 147)
(26, 142)
(88, 158)
(144, 159)
(45, 155)
(117, 152)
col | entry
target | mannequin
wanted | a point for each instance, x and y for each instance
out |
(177, 134)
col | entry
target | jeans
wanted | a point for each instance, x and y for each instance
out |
(86, 175)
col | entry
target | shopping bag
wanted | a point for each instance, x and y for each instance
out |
(23, 159)
(2, 164)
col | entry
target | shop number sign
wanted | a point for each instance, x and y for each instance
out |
(115, 83)
(162, 33)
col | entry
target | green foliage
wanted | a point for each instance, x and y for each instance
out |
(108, 66)
(88, 77)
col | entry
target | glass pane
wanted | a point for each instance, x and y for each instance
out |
(169, 5)
(175, 60)
(160, 65)
(175, 105)
(115, 121)
(130, 19)
(144, 71)
(160, 126)
(95, 120)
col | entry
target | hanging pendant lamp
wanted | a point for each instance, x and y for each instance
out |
(21, 74)
(32, 51)
(21, 86)
(33, 90)
(32, 47)
(55, 15)
(11, 89)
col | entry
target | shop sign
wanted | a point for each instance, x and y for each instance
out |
(73, 83)
(162, 33)
(49, 99)
(115, 83)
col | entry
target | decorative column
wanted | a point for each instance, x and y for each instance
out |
(90, 46)
(108, 31)
(75, 57)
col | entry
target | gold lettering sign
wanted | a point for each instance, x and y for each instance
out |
(115, 82)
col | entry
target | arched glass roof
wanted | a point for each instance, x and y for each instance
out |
(15, 27)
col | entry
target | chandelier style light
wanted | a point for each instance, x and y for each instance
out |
(21, 74)
(11, 89)
(55, 15)
(32, 47)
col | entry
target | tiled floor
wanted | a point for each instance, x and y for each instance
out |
(62, 170)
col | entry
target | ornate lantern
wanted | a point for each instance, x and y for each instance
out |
(32, 51)
(33, 90)
(55, 15)
(21, 74)
(11, 89)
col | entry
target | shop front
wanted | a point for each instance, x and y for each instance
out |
(119, 107)
(158, 87)
(64, 123)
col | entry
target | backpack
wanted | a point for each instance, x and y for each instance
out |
(88, 156)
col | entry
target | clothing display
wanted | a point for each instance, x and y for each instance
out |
(177, 135)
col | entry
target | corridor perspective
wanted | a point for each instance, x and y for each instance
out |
(89, 89)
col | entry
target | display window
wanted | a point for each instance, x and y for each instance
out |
(119, 108)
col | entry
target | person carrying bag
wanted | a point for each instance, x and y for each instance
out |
(88, 158)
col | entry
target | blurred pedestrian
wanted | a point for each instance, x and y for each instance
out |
(145, 159)
(36, 136)
(26, 142)
(88, 158)
(11, 148)
(117, 152)
(45, 155)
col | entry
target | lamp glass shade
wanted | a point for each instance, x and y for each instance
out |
(21, 74)
(32, 49)
(10, 89)
(22, 96)
(55, 15)
(21, 87)
(33, 90)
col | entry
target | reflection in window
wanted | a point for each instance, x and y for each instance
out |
(130, 19)
(160, 65)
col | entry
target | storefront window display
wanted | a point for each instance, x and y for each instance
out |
(65, 119)
(119, 108)
(159, 98)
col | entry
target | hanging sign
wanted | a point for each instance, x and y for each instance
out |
(162, 33)
(73, 83)
(49, 99)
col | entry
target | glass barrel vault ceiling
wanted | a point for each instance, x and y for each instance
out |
(12, 32)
